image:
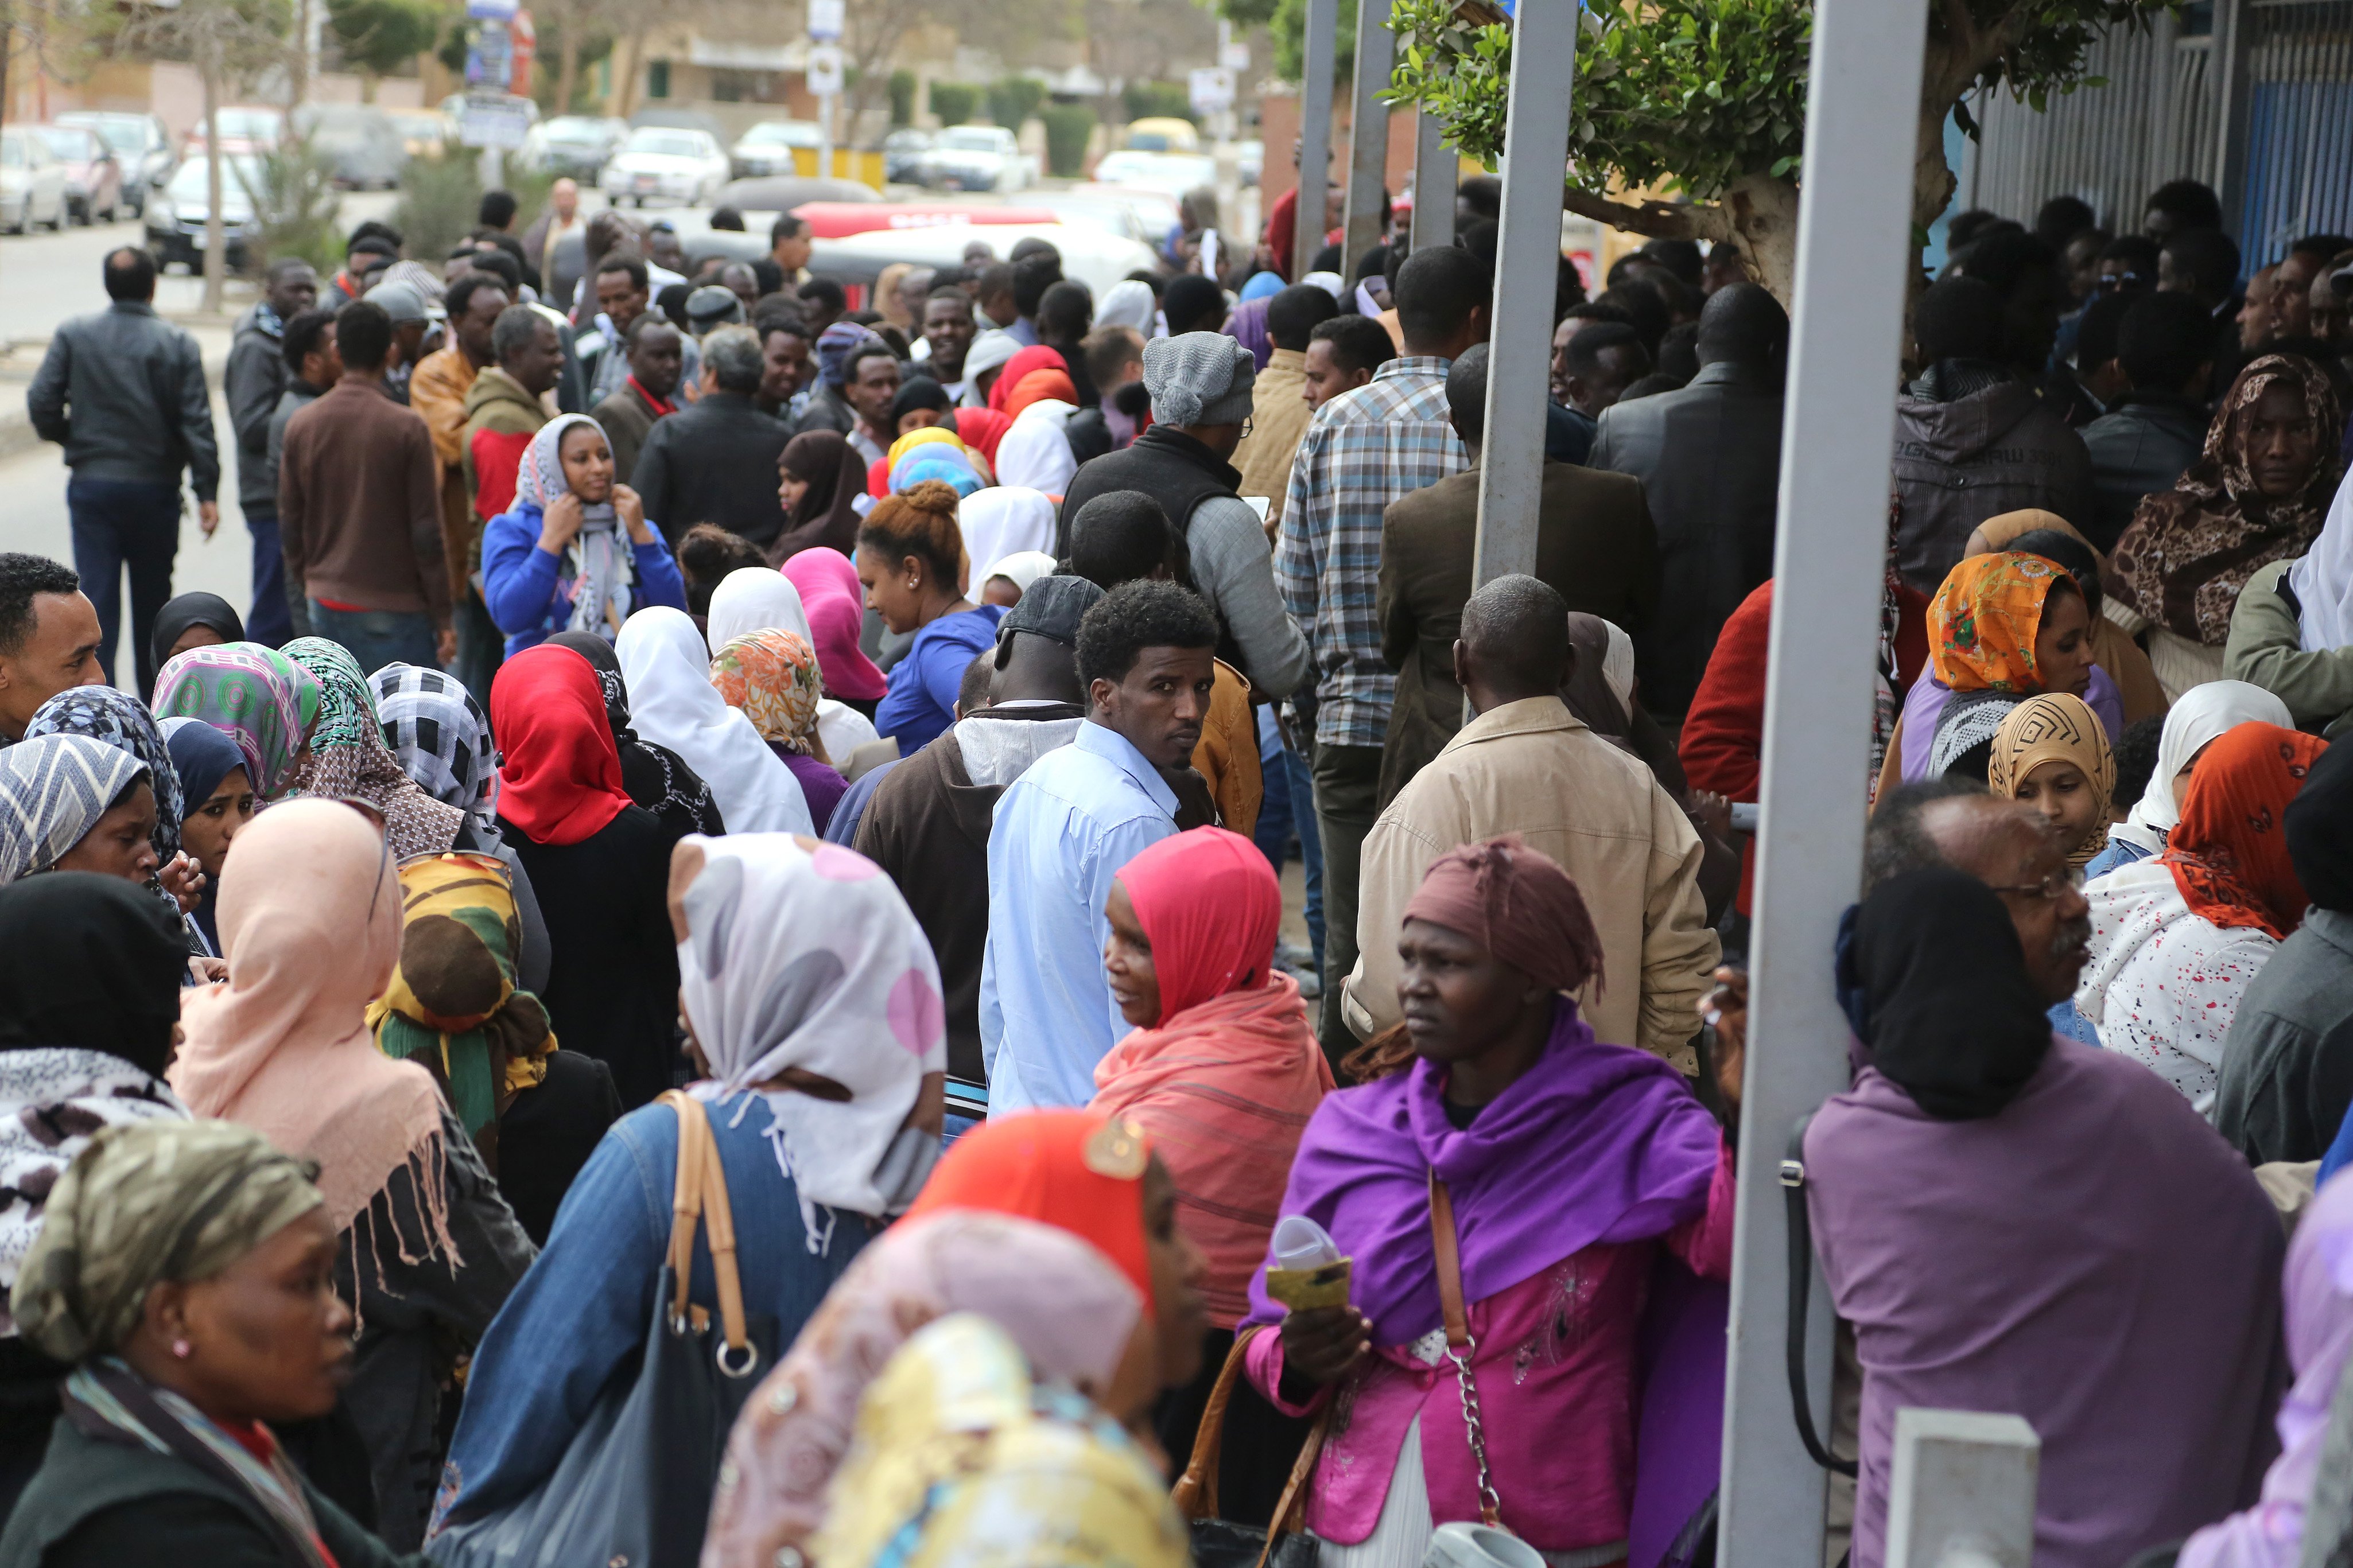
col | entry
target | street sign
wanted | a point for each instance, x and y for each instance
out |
(1212, 88)
(494, 119)
(825, 68)
(1234, 57)
(489, 10)
(825, 19)
(490, 57)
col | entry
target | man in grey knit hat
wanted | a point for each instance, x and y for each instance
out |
(1201, 386)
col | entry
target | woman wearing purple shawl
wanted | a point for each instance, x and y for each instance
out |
(2016, 1223)
(1568, 1163)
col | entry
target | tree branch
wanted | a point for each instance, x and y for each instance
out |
(1659, 220)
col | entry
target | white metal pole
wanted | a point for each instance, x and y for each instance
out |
(1368, 133)
(1528, 272)
(825, 136)
(1435, 166)
(1855, 225)
(1322, 30)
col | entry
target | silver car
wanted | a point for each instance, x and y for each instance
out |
(32, 182)
(141, 144)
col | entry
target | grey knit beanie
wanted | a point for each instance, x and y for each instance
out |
(1200, 378)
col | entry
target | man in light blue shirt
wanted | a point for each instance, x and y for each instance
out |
(1064, 829)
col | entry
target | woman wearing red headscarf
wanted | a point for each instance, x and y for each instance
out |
(604, 862)
(1223, 1073)
(2174, 940)
(1036, 357)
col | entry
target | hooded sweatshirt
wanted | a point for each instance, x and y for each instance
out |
(1972, 443)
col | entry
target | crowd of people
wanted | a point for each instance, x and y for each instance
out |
(700, 976)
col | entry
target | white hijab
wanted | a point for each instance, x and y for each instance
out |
(1020, 569)
(672, 703)
(802, 957)
(1035, 454)
(760, 599)
(2203, 713)
(2323, 579)
(1005, 520)
(1128, 303)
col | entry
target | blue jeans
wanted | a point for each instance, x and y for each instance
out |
(1302, 786)
(271, 622)
(377, 637)
(119, 523)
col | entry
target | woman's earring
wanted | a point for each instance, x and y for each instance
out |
(181, 1347)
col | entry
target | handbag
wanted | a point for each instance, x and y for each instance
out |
(1221, 1543)
(634, 1488)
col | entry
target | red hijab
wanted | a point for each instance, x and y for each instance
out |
(1210, 906)
(982, 429)
(1073, 1170)
(559, 770)
(2229, 854)
(1037, 356)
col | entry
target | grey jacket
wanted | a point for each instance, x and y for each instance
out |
(1234, 569)
(1709, 458)
(256, 376)
(1959, 461)
(2138, 449)
(2266, 650)
(2288, 1063)
(123, 392)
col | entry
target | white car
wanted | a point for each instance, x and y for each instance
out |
(32, 182)
(767, 147)
(666, 163)
(974, 158)
(1175, 173)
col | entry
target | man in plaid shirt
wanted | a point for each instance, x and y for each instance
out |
(1364, 449)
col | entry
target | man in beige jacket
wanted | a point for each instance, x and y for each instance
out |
(1526, 765)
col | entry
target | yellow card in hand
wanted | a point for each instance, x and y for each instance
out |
(1301, 1289)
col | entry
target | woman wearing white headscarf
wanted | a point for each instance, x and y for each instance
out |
(2192, 725)
(813, 1000)
(1005, 521)
(1129, 303)
(1016, 570)
(1035, 454)
(673, 704)
(762, 599)
(558, 559)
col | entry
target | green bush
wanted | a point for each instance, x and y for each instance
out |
(440, 199)
(1068, 126)
(1013, 99)
(954, 102)
(295, 209)
(1157, 99)
(903, 99)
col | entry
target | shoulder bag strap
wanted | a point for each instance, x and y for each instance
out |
(1801, 1283)
(718, 1215)
(1460, 1344)
(686, 1195)
(1196, 1493)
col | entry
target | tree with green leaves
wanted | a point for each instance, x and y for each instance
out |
(1706, 100)
(379, 37)
(954, 102)
(1013, 99)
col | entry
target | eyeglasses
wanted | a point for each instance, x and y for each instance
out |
(2067, 879)
(1248, 424)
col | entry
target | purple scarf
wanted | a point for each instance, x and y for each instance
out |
(1247, 326)
(1594, 1144)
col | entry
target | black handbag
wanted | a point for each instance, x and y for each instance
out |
(1220, 1542)
(634, 1488)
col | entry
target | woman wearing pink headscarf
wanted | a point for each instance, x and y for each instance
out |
(836, 608)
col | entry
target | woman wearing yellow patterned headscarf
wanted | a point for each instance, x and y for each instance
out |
(2053, 755)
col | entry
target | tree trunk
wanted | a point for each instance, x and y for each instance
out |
(298, 67)
(216, 240)
(625, 83)
(567, 75)
(367, 85)
(1762, 215)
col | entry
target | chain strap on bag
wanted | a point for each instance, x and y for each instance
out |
(1460, 1344)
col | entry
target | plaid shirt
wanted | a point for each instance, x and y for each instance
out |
(1362, 450)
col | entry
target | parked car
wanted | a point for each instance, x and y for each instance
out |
(1175, 173)
(973, 158)
(1090, 256)
(666, 163)
(32, 182)
(901, 151)
(783, 192)
(767, 147)
(1163, 133)
(93, 177)
(575, 145)
(177, 216)
(358, 143)
(424, 132)
(142, 145)
(242, 130)
(680, 119)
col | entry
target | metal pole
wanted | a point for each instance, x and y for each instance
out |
(1527, 276)
(825, 136)
(1434, 170)
(1321, 27)
(1961, 1494)
(2233, 43)
(1854, 247)
(1368, 142)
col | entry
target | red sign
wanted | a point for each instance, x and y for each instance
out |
(840, 220)
(524, 40)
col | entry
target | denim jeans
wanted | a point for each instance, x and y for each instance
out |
(271, 622)
(119, 523)
(377, 637)
(1302, 786)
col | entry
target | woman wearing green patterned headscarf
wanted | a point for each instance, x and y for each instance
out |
(254, 695)
(187, 1268)
(347, 759)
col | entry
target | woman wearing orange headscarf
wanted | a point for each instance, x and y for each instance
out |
(2176, 939)
(2113, 649)
(1036, 357)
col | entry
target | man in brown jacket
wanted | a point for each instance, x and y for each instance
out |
(437, 391)
(358, 511)
(1595, 546)
(1526, 765)
(1279, 410)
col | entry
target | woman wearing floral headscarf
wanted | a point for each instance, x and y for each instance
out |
(2259, 494)
(556, 561)
(772, 677)
(346, 758)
